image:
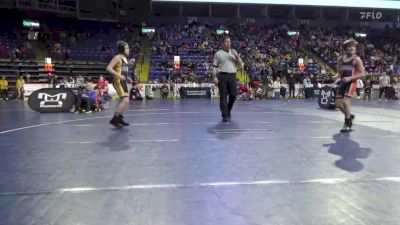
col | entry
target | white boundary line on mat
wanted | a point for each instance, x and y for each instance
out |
(127, 115)
(223, 184)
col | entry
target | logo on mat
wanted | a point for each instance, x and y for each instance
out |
(52, 101)
(324, 97)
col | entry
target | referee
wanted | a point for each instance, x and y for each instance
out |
(224, 74)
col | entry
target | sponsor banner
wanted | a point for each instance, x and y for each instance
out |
(195, 92)
(52, 100)
(316, 92)
(154, 89)
(29, 88)
(326, 98)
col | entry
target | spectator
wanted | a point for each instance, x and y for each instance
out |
(19, 86)
(90, 99)
(367, 90)
(384, 83)
(277, 87)
(71, 80)
(391, 92)
(3, 88)
(80, 82)
(291, 83)
(134, 93)
(360, 85)
(164, 91)
(82, 100)
(308, 87)
(102, 84)
(28, 78)
(53, 80)
(64, 83)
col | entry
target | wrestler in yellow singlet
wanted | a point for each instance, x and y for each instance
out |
(118, 67)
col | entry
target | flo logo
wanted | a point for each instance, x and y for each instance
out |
(52, 101)
(371, 15)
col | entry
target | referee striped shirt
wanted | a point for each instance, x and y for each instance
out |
(225, 62)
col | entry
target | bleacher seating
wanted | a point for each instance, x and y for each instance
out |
(261, 47)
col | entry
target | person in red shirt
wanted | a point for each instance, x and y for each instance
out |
(102, 84)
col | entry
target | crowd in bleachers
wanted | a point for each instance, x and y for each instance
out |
(15, 47)
(65, 39)
(14, 42)
(267, 50)
(195, 46)
(327, 44)
(90, 41)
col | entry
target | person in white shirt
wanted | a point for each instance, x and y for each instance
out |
(277, 87)
(307, 87)
(360, 85)
(384, 83)
(80, 82)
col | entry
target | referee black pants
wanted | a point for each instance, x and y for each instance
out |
(227, 87)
